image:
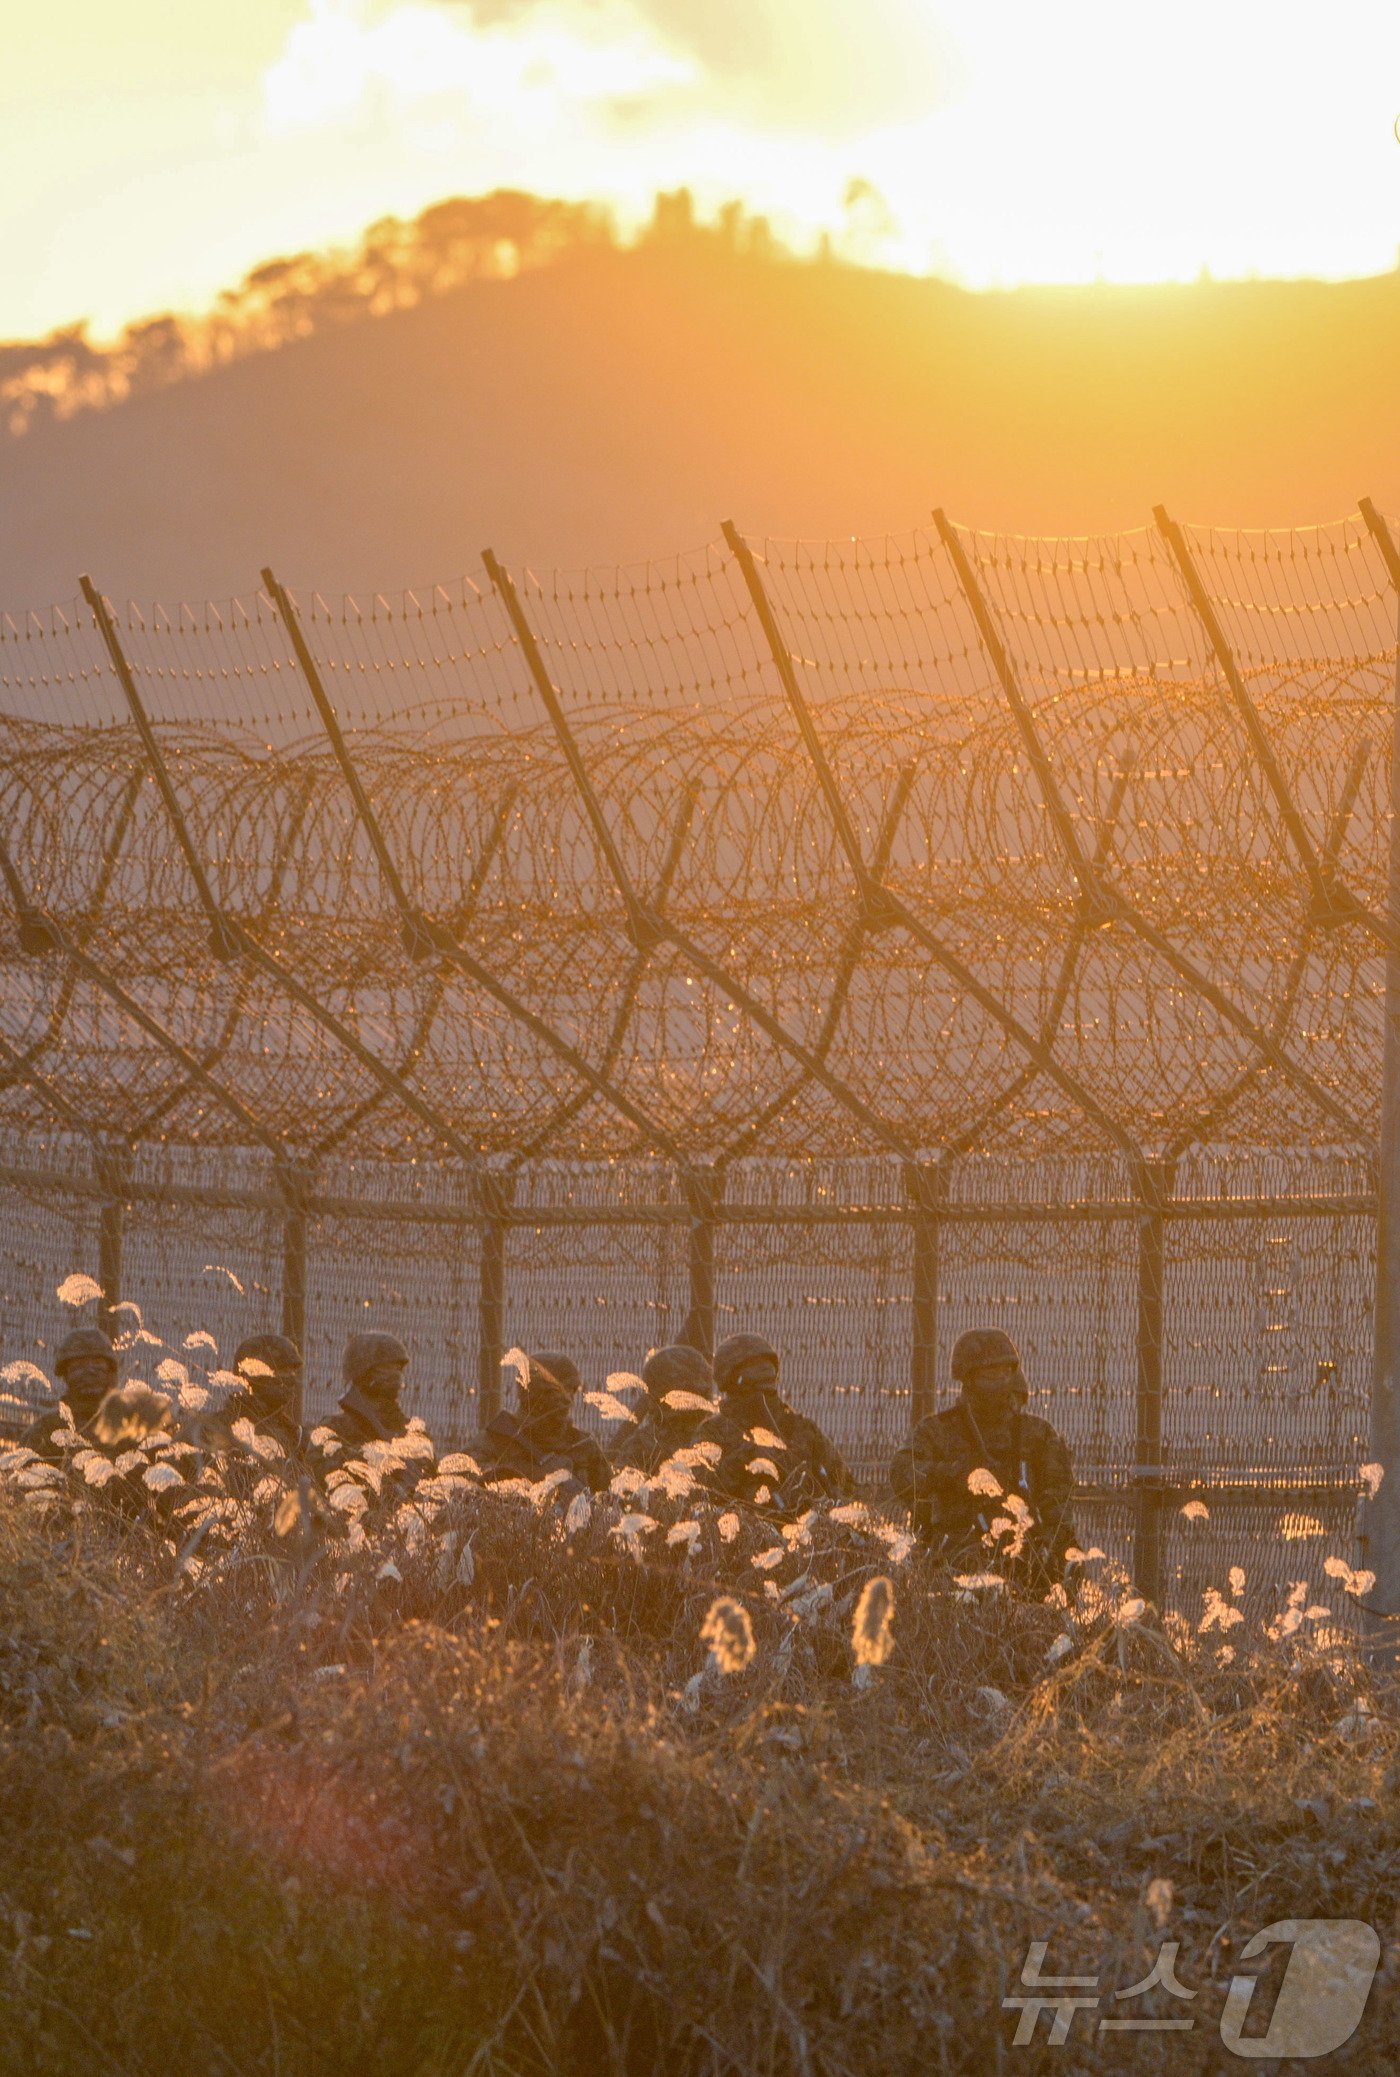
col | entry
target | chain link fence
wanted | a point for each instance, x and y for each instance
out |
(854, 941)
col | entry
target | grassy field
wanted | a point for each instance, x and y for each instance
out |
(480, 1800)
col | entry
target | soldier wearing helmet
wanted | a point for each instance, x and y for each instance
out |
(541, 1437)
(85, 1364)
(987, 1430)
(663, 1427)
(770, 1455)
(271, 1395)
(373, 1367)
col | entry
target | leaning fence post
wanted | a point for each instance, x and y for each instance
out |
(223, 943)
(497, 1194)
(703, 1190)
(1155, 1181)
(1332, 902)
(1380, 1515)
(114, 1179)
(926, 1187)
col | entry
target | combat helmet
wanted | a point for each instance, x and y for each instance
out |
(277, 1351)
(83, 1341)
(551, 1371)
(364, 1351)
(738, 1353)
(677, 1368)
(979, 1346)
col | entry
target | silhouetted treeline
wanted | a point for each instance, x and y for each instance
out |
(396, 265)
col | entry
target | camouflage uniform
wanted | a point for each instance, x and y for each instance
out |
(117, 1422)
(272, 1404)
(661, 1430)
(808, 1468)
(373, 1366)
(541, 1438)
(85, 1364)
(989, 1431)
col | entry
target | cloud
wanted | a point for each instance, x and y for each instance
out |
(346, 55)
(781, 102)
(836, 65)
(990, 140)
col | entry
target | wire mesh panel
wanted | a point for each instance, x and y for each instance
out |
(1062, 1282)
(1269, 1320)
(1280, 1546)
(395, 1248)
(828, 1280)
(592, 1270)
(1270, 1344)
(858, 941)
(45, 1236)
(1105, 1522)
(197, 1267)
(417, 1281)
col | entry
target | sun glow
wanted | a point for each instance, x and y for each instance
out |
(153, 158)
(1103, 140)
(340, 55)
(1127, 143)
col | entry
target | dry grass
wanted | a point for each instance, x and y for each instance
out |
(301, 1817)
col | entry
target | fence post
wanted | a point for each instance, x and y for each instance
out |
(497, 1195)
(223, 943)
(114, 1178)
(1155, 1179)
(1332, 902)
(703, 1190)
(1380, 1516)
(423, 938)
(926, 1186)
(295, 1183)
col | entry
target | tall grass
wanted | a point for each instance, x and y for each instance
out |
(307, 1803)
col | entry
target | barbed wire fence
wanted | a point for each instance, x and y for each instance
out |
(857, 941)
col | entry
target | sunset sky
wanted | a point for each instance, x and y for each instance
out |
(150, 153)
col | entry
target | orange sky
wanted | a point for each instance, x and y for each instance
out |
(149, 154)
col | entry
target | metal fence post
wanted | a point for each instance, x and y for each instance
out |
(1332, 901)
(880, 905)
(114, 1178)
(422, 937)
(647, 926)
(1380, 1515)
(230, 939)
(497, 1195)
(223, 943)
(926, 1186)
(1155, 1180)
(295, 1184)
(703, 1189)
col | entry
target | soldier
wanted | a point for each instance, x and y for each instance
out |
(373, 1367)
(801, 1467)
(661, 1430)
(271, 1397)
(541, 1438)
(987, 1429)
(86, 1367)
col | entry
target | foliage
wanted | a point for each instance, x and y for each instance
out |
(456, 1782)
(396, 265)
